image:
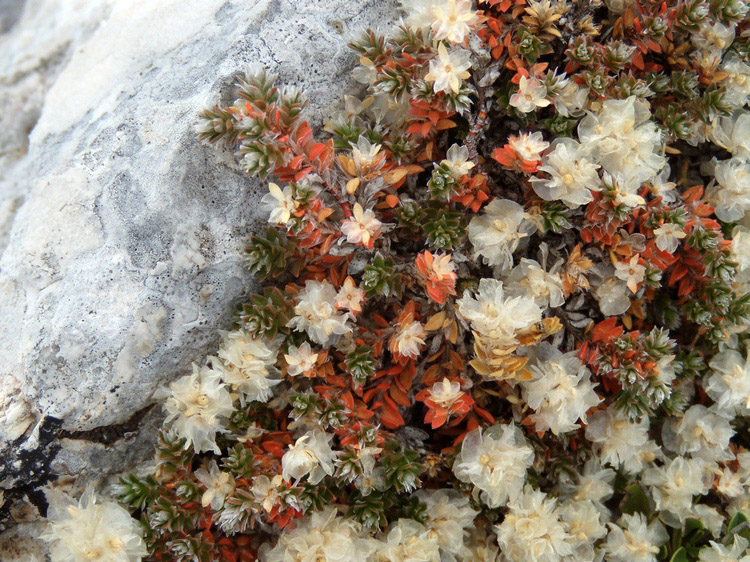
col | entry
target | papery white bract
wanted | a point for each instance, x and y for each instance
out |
(729, 383)
(248, 364)
(496, 316)
(324, 535)
(281, 204)
(218, 485)
(531, 95)
(572, 174)
(311, 456)
(197, 407)
(560, 394)
(449, 69)
(633, 539)
(619, 441)
(496, 233)
(495, 462)
(91, 529)
(316, 313)
(533, 530)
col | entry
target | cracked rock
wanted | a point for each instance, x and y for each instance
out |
(122, 236)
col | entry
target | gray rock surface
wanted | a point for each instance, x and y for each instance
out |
(121, 235)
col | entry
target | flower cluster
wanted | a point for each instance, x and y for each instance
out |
(505, 306)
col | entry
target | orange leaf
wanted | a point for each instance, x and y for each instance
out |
(399, 396)
(693, 194)
(390, 416)
(348, 400)
(414, 129)
(405, 378)
(295, 162)
(445, 124)
(605, 330)
(686, 287)
(316, 150)
(380, 321)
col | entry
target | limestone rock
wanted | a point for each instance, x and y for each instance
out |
(124, 234)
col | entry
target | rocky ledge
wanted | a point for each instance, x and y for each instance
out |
(121, 235)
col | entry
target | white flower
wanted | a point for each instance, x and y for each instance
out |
(713, 38)
(408, 541)
(613, 297)
(248, 364)
(266, 491)
(740, 252)
(321, 536)
(532, 530)
(572, 175)
(366, 155)
(91, 530)
(445, 393)
(634, 540)
(311, 456)
(449, 69)
(730, 484)
(370, 478)
(452, 20)
(281, 204)
(731, 194)
(594, 483)
(620, 442)
(660, 186)
(560, 394)
(528, 278)
(717, 552)
(449, 519)
(496, 317)
(350, 296)
(731, 133)
(622, 138)
(624, 188)
(419, 13)
(674, 485)
(583, 523)
(495, 462)
(668, 237)
(710, 517)
(631, 272)
(300, 359)
(729, 383)
(739, 505)
(316, 314)
(408, 339)
(699, 432)
(496, 233)
(252, 432)
(571, 99)
(196, 406)
(529, 146)
(218, 485)
(362, 228)
(457, 161)
(531, 94)
(737, 81)
(482, 546)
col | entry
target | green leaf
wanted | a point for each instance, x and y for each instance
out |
(636, 500)
(737, 519)
(693, 525)
(680, 555)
